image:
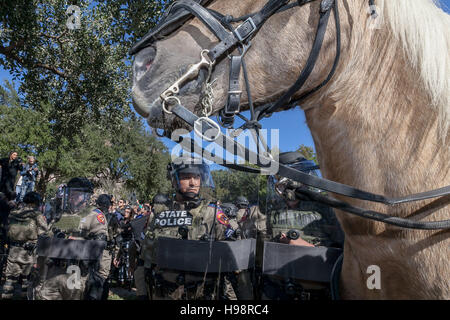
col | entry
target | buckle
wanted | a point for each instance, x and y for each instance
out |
(245, 29)
(198, 129)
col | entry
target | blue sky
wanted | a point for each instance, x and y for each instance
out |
(293, 130)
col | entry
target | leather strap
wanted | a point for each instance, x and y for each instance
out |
(204, 15)
(325, 11)
(169, 22)
(310, 180)
(234, 89)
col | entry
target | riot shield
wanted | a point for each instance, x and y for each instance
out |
(70, 249)
(299, 262)
(205, 256)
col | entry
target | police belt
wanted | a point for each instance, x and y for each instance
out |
(205, 256)
(70, 249)
(299, 262)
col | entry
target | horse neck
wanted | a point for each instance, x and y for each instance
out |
(375, 127)
(375, 130)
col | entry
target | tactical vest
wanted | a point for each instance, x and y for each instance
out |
(167, 222)
(22, 225)
(70, 223)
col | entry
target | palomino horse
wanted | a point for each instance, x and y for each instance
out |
(380, 124)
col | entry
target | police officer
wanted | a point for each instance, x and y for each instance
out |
(139, 271)
(189, 216)
(312, 222)
(25, 226)
(297, 222)
(252, 224)
(80, 221)
(104, 202)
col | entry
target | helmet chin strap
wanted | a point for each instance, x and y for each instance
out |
(188, 196)
(191, 199)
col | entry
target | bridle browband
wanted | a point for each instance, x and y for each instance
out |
(230, 38)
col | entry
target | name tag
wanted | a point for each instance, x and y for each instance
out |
(173, 219)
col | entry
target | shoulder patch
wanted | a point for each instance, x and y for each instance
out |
(222, 217)
(98, 211)
(101, 218)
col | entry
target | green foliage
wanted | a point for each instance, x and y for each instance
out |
(231, 183)
(83, 73)
(124, 154)
(73, 108)
(308, 153)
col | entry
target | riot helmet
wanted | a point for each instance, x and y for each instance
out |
(104, 202)
(297, 161)
(229, 209)
(32, 198)
(77, 194)
(242, 202)
(278, 196)
(189, 176)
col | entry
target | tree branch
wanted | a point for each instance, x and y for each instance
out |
(8, 52)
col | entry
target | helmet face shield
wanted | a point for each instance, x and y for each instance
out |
(277, 184)
(306, 166)
(75, 199)
(197, 174)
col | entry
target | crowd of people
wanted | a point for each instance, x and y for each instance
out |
(130, 236)
(9, 169)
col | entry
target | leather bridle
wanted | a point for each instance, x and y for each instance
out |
(230, 38)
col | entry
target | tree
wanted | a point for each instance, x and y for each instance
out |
(231, 183)
(127, 155)
(73, 107)
(308, 153)
(81, 71)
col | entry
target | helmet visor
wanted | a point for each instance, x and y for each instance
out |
(196, 173)
(75, 199)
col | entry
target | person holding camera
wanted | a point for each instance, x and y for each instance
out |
(29, 176)
(9, 168)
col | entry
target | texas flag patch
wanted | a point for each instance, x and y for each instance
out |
(101, 218)
(222, 218)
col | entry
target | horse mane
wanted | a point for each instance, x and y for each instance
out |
(422, 28)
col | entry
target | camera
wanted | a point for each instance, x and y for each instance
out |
(183, 231)
(58, 233)
(293, 234)
(229, 209)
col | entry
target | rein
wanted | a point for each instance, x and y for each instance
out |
(240, 37)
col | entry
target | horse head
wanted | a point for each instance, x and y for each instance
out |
(276, 55)
(379, 124)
